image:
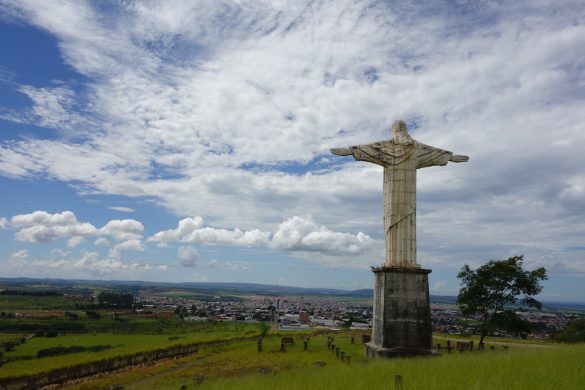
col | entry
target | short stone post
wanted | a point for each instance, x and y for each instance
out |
(438, 346)
(260, 344)
(342, 356)
(282, 348)
(353, 339)
(305, 345)
(348, 359)
(492, 347)
(398, 382)
(337, 351)
(328, 344)
(332, 347)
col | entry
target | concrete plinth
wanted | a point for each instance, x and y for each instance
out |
(402, 313)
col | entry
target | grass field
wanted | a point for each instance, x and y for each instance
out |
(240, 366)
(123, 344)
(27, 303)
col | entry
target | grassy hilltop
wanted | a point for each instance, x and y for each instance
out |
(40, 333)
(240, 366)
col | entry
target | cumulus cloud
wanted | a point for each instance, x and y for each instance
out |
(128, 245)
(125, 229)
(186, 226)
(187, 256)
(90, 262)
(41, 226)
(234, 104)
(303, 234)
(122, 209)
(74, 241)
(101, 242)
(191, 230)
(3, 223)
(21, 254)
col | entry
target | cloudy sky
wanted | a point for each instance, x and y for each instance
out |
(188, 141)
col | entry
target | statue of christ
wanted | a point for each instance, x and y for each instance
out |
(400, 156)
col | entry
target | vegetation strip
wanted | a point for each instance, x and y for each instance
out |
(62, 375)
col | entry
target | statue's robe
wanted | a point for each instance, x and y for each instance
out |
(400, 162)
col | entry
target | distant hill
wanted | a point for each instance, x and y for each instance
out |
(239, 289)
(207, 287)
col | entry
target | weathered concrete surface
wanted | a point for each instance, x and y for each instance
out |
(401, 156)
(402, 313)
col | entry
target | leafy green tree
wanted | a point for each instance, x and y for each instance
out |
(264, 329)
(574, 332)
(115, 299)
(491, 288)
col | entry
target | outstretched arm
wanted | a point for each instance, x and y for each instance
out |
(341, 151)
(456, 158)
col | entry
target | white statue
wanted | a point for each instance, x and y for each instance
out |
(400, 156)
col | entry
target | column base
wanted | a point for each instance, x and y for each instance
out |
(402, 313)
(375, 351)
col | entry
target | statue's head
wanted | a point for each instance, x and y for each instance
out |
(399, 133)
(399, 128)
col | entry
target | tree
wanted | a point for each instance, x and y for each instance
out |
(574, 332)
(489, 290)
(116, 299)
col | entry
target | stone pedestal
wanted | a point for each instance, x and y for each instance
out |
(402, 313)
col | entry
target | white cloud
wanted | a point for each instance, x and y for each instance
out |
(187, 256)
(218, 109)
(59, 254)
(3, 223)
(303, 234)
(128, 245)
(43, 218)
(74, 241)
(21, 254)
(52, 108)
(125, 229)
(185, 227)
(191, 230)
(238, 237)
(229, 265)
(41, 226)
(91, 263)
(122, 209)
(101, 242)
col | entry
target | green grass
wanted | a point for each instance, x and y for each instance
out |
(11, 303)
(123, 345)
(558, 368)
(441, 338)
(238, 366)
(4, 337)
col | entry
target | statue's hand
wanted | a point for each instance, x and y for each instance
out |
(456, 158)
(341, 151)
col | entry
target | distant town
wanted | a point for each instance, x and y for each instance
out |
(299, 313)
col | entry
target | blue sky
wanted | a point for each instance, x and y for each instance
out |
(188, 141)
